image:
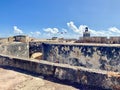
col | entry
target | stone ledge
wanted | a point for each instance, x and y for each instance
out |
(93, 77)
(86, 44)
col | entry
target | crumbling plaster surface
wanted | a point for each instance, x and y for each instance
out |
(89, 56)
(17, 49)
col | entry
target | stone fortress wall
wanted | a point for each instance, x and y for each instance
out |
(94, 56)
(96, 78)
(90, 64)
(17, 49)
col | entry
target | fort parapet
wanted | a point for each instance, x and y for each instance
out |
(82, 63)
(80, 75)
(17, 49)
(94, 56)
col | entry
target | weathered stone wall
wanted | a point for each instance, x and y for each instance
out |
(105, 57)
(15, 49)
(20, 49)
(80, 75)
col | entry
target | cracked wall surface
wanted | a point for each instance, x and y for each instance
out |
(89, 56)
(103, 57)
(15, 49)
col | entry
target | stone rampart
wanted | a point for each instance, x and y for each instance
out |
(80, 75)
(20, 49)
(94, 56)
(17, 49)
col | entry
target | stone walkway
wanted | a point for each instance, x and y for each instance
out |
(12, 80)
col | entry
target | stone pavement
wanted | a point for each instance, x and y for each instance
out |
(12, 80)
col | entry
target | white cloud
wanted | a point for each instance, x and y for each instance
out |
(51, 30)
(64, 30)
(35, 34)
(113, 31)
(17, 30)
(97, 33)
(73, 27)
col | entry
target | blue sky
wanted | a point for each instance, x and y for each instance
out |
(62, 18)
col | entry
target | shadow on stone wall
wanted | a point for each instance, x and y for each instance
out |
(34, 47)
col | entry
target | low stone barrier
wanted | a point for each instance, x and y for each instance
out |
(75, 74)
(17, 49)
(93, 56)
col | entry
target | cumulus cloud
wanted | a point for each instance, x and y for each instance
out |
(72, 26)
(17, 30)
(35, 34)
(63, 31)
(51, 30)
(76, 29)
(113, 31)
